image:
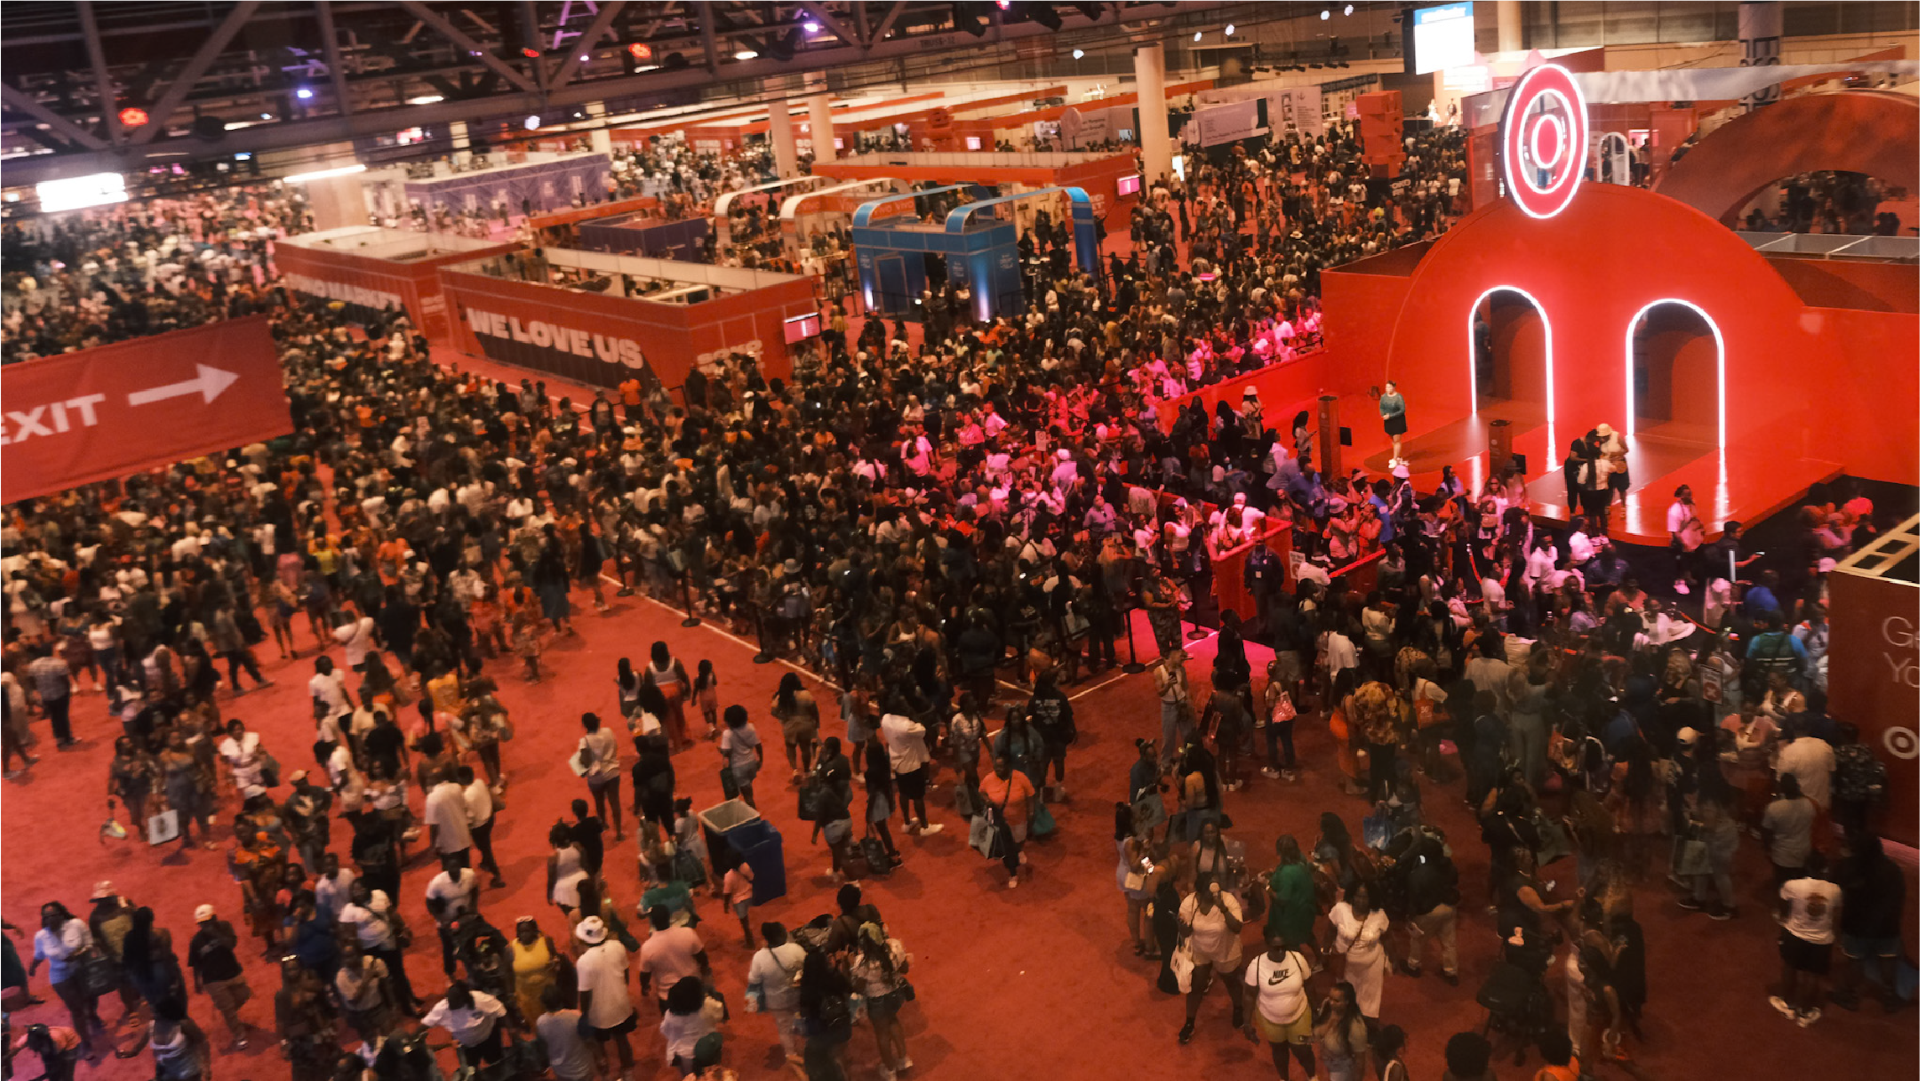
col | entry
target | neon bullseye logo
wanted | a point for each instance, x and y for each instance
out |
(1543, 141)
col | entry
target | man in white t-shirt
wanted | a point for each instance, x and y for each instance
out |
(448, 820)
(1809, 909)
(473, 1018)
(329, 688)
(1281, 1015)
(453, 893)
(569, 1055)
(356, 637)
(774, 976)
(605, 1003)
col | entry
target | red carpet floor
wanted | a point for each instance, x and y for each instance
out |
(1038, 981)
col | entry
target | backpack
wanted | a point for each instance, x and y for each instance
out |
(835, 1014)
(1772, 652)
(875, 855)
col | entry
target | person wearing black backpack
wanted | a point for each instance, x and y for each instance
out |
(826, 1015)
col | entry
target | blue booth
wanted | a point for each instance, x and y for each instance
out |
(981, 251)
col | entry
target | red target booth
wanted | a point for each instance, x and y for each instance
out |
(1566, 305)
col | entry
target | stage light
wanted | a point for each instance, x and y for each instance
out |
(533, 123)
(303, 93)
(745, 54)
(640, 51)
(1078, 53)
(530, 54)
(426, 99)
(133, 116)
(1196, 35)
(266, 116)
(324, 174)
(1348, 11)
(1229, 30)
(77, 192)
(810, 27)
(1325, 14)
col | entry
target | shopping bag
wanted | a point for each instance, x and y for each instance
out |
(1043, 823)
(163, 827)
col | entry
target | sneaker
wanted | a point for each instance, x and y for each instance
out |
(928, 831)
(906, 1064)
(1269, 772)
(1186, 1032)
(1690, 904)
(1721, 913)
(1780, 1004)
(1807, 1017)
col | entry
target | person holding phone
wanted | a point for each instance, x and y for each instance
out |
(1210, 920)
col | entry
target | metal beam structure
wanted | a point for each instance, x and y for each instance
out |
(102, 81)
(378, 57)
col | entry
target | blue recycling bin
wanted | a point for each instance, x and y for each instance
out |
(734, 826)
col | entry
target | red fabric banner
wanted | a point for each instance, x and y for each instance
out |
(119, 409)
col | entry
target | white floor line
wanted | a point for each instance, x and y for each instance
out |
(1103, 683)
(731, 637)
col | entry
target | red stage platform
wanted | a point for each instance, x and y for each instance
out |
(1746, 483)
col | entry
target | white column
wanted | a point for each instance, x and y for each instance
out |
(600, 137)
(337, 201)
(1150, 80)
(457, 132)
(786, 158)
(820, 127)
(1511, 39)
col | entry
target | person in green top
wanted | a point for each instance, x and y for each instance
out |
(1290, 917)
(1393, 415)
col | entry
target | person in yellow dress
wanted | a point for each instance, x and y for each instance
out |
(536, 967)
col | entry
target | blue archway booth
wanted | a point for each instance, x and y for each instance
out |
(981, 250)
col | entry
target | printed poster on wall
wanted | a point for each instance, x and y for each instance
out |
(1296, 111)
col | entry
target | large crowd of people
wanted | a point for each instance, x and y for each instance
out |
(950, 525)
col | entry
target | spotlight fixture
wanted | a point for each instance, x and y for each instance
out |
(1229, 30)
(1325, 14)
(533, 123)
(303, 93)
(1196, 35)
(640, 50)
(133, 116)
(1348, 11)
(810, 27)
(745, 54)
(266, 116)
(1078, 53)
(534, 54)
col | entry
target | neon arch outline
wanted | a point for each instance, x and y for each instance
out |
(1473, 376)
(1720, 365)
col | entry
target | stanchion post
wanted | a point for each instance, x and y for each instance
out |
(686, 595)
(1133, 666)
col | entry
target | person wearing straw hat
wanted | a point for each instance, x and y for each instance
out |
(606, 1006)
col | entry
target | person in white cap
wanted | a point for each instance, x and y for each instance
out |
(217, 972)
(606, 1005)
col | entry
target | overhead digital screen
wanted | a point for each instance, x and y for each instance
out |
(1442, 37)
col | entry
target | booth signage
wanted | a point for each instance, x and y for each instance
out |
(346, 293)
(553, 338)
(120, 409)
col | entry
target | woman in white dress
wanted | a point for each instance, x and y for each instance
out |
(1359, 931)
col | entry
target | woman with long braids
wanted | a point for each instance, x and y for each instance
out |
(1342, 1035)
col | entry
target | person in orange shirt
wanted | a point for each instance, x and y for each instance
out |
(1009, 795)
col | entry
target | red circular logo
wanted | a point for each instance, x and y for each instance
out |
(1543, 140)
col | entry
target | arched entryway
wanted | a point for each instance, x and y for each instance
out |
(1676, 370)
(1511, 345)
